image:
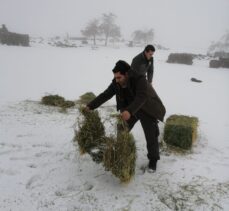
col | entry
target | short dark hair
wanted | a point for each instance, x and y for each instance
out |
(121, 66)
(149, 48)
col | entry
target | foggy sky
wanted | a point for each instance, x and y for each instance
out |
(177, 23)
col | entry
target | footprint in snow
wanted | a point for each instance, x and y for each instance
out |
(32, 180)
(87, 186)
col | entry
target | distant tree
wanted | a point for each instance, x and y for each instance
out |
(149, 36)
(143, 36)
(4, 29)
(109, 28)
(221, 45)
(92, 30)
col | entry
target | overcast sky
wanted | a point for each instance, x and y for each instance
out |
(177, 23)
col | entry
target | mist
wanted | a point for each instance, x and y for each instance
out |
(177, 23)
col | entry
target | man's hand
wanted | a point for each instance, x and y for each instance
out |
(125, 115)
(86, 108)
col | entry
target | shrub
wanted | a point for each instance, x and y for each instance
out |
(180, 131)
(180, 58)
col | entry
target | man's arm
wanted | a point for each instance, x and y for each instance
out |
(135, 65)
(102, 98)
(150, 72)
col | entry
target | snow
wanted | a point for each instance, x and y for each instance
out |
(40, 166)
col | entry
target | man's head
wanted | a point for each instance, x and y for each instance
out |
(149, 51)
(121, 72)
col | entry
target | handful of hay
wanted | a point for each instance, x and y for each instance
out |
(180, 131)
(118, 154)
(91, 132)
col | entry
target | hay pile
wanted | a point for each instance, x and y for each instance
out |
(56, 100)
(117, 152)
(180, 131)
(86, 98)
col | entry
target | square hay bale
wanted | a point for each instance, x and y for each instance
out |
(224, 62)
(180, 58)
(214, 63)
(180, 131)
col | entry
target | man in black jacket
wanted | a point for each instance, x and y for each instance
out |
(136, 100)
(142, 64)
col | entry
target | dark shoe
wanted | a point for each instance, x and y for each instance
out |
(152, 166)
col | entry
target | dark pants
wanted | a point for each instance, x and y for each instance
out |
(151, 131)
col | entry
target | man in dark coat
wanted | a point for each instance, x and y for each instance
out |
(142, 64)
(136, 100)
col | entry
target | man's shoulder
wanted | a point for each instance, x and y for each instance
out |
(138, 57)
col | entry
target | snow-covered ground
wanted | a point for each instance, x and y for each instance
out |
(40, 166)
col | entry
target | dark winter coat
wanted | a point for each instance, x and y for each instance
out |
(142, 66)
(141, 96)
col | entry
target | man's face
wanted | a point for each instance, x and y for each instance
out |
(149, 54)
(121, 79)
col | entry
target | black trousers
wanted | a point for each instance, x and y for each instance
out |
(151, 131)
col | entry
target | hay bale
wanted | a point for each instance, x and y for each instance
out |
(180, 58)
(86, 98)
(224, 62)
(56, 100)
(180, 131)
(214, 64)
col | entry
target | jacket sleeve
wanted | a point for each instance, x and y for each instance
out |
(150, 72)
(140, 97)
(103, 97)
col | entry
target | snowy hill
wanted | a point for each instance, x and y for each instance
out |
(42, 169)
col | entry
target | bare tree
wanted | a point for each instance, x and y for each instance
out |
(143, 36)
(109, 28)
(92, 30)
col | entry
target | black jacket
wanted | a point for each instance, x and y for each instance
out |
(142, 66)
(142, 96)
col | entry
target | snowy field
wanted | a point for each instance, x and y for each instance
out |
(41, 168)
